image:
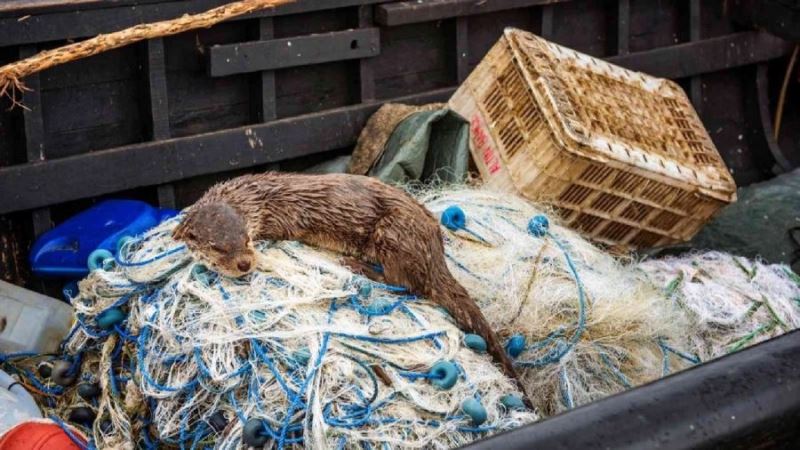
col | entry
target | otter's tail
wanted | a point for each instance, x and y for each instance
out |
(455, 299)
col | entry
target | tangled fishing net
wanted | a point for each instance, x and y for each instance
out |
(580, 324)
(303, 353)
(732, 302)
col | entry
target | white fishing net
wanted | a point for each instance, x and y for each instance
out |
(324, 358)
(303, 353)
(732, 302)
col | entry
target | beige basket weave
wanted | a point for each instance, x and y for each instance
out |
(621, 155)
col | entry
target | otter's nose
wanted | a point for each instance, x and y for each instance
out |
(243, 265)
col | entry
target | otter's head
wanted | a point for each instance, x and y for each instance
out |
(217, 233)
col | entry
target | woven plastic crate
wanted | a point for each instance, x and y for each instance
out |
(621, 155)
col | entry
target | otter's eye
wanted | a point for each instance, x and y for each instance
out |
(217, 248)
(191, 236)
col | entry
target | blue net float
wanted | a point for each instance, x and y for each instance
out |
(379, 306)
(97, 258)
(443, 375)
(475, 342)
(110, 317)
(538, 225)
(453, 218)
(122, 241)
(511, 402)
(364, 290)
(475, 410)
(515, 345)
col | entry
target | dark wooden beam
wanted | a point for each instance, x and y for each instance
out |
(292, 52)
(547, 21)
(158, 108)
(710, 55)
(17, 27)
(462, 48)
(695, 28)
(366, 73)
(157, 88)
(623, 17)
(401, 13)
(264, 104)
(34, 185)
(34, 136)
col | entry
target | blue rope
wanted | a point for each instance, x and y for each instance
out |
(562, 348)
(123, 263)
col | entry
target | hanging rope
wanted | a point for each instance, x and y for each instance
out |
(12, 75)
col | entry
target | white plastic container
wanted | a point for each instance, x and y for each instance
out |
(31, 322)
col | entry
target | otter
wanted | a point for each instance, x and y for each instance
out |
(362, 218)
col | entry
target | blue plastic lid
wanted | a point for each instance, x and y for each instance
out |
(63, 251)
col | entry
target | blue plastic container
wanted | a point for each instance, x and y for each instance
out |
(68, 250)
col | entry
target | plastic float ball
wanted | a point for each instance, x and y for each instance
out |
(110, 317)
(60, 373)
(538, 225)
(82, 415)
(364, 290)
(45, 369)
(97, 258)
(515, 345)
(444, 375)
(106, 426)
(473, 408)
(121, 242)
(511, 402)
(88, 391)
(217, 421)
(453, 218)
(253, 433)
(378, 306)
(475, 342)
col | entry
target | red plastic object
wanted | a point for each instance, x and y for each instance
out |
(37, 436)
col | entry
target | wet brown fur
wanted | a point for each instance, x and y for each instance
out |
(354, 215)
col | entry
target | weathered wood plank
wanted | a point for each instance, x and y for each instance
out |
(157, 87)
(34, 137)
(48, 6)
(695, 27)
(40, 184)
(462, 49)
(623, 34)
(710, 55)
(366, 74)
(298, 51)
(328, 86)
(155, 68)
(413, 11)
(72, 24)
(264, 86)
(547, 22)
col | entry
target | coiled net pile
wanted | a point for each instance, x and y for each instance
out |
(295, 344)
(328, 359)
(586, 325)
